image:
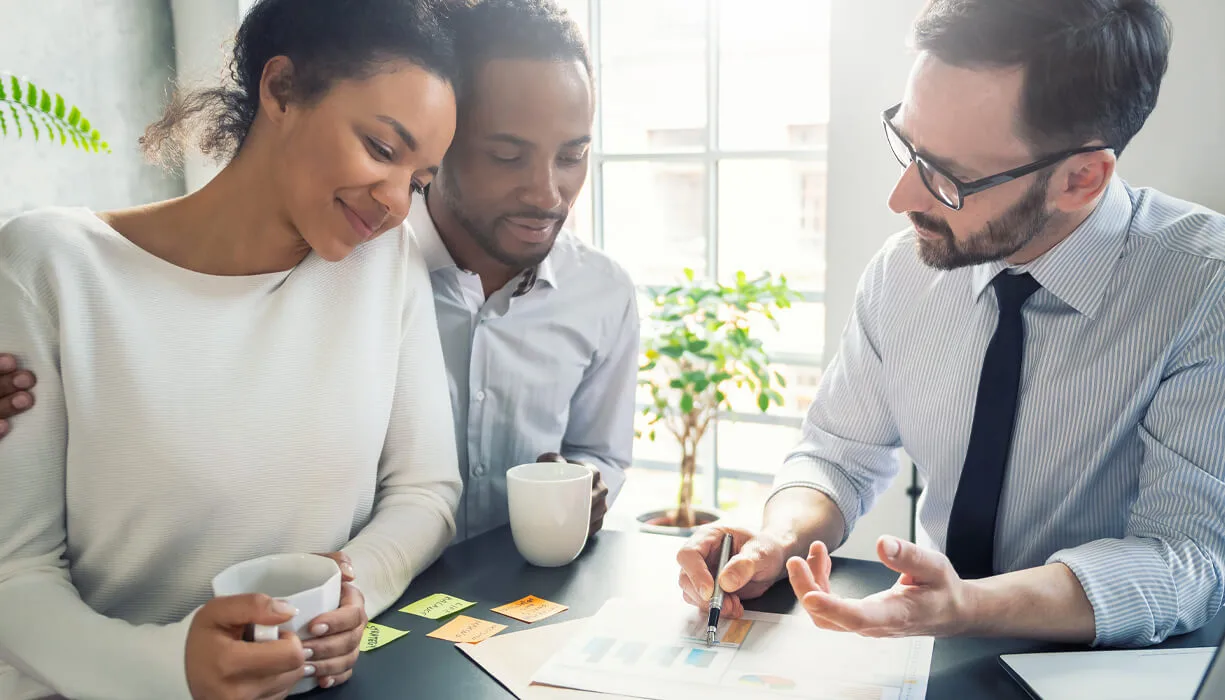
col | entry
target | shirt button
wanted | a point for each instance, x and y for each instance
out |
(478, 470)
(480, 396)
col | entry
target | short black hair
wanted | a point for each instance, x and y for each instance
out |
(487, 30)
(1092, 68)
(327, 41)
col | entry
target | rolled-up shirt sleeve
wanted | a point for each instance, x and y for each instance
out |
(849, 440)
(1164, 576)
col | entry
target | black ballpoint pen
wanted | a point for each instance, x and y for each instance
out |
(716, 597)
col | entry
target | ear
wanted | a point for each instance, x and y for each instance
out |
(1081, 179)
(276, 87)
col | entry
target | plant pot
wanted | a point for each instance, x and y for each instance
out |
(655, 521)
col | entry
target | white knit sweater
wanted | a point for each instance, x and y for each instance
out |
(185, 422)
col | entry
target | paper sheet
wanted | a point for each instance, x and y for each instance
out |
(512, 659)
(377, 635)
(437, 606)
(647, 650)
(1133, 674)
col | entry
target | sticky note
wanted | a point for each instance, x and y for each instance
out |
(437, 606)
(377, 635)
(466, 629)
(737, 631)
(530, 609)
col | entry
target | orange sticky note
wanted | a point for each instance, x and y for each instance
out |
(466, 629)
(737, 631)
(530, 609)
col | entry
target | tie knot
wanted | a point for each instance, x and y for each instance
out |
(1011, 291)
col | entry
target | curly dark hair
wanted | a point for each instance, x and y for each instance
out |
(327, 41)
(1093, 68)
(486, 30)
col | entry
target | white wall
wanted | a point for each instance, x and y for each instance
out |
(113, 59)
(1181, 151)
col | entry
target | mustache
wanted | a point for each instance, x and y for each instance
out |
(930, 223)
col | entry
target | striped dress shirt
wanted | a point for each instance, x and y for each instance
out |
(1117, 466)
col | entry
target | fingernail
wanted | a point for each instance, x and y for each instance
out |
(328, 682)
(21, 401)
(893, 547)
(308, 653)
(280, 607)
(22, 381)
(347, 570)
(319, 630)
(4, 427)
(308, 670)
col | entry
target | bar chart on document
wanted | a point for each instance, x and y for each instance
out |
(657, 651)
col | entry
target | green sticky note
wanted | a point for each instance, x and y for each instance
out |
(377, 635)
(437, 606)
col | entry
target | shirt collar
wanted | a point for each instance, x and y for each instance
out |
(437, 257)
(1078, 269)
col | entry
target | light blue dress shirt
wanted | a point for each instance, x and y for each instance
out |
(548, 363)
(1117, 466)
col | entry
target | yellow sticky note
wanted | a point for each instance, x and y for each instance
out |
(377, 635)
(530, 609)
(737, 631)
(437, 606)
(466, 629)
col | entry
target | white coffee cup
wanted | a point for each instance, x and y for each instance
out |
(550, 510)
(308, 582)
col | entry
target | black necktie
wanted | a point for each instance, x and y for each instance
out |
(971, 533)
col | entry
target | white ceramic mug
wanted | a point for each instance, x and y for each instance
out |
(308, 582)
(550, 510)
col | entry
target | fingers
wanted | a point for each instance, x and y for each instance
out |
(335, 665)
(11, 404)
(4, 428)
(800, 574)
(349, 617)
(238, 611)
(345, 563)
(694, 557)
(820, 564)
(550, 457)
(921, 566)
(748, 565)
(265, 661)
(8, 363)
(333, 681)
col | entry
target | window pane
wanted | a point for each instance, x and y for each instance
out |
(580, 220)
(773, 74)
(653, 75)
(755, 448)
(653, 219)
(772, 218)
(801, 331)
(802, 381)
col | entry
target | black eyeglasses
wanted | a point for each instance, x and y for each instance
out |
(944, 186)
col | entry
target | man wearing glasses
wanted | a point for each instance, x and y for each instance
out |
(1047, 343)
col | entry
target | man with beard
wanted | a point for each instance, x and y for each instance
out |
(539, 331)
(1047, 343)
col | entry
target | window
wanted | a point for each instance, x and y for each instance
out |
(710, 153)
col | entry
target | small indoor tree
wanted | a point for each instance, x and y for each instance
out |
(699, 350)
(23, 105)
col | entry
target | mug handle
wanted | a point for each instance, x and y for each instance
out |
(264, 633)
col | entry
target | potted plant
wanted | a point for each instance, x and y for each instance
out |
(698, 350)
(42, 110)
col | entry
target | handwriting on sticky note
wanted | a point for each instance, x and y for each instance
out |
(466, 629)
(437, 606)
(377, 635)
(530, 609)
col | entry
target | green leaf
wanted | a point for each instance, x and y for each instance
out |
(44, 102)
(16, 85)
(740, 278)
(689, 273)
(31, 95)
(782, 381)
(720, 397)
(3, 95)
(672, 351)
(84, 127)
(651, 436)
(763, 402)
(677, 384)
(686, 402)
(4, 125)
(701, 385)
(74, 117)
(698, 346)
(59, 106)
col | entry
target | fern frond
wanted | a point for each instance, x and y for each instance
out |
(4, 125)
(23, 97)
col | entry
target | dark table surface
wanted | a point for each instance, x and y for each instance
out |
(490, 572)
